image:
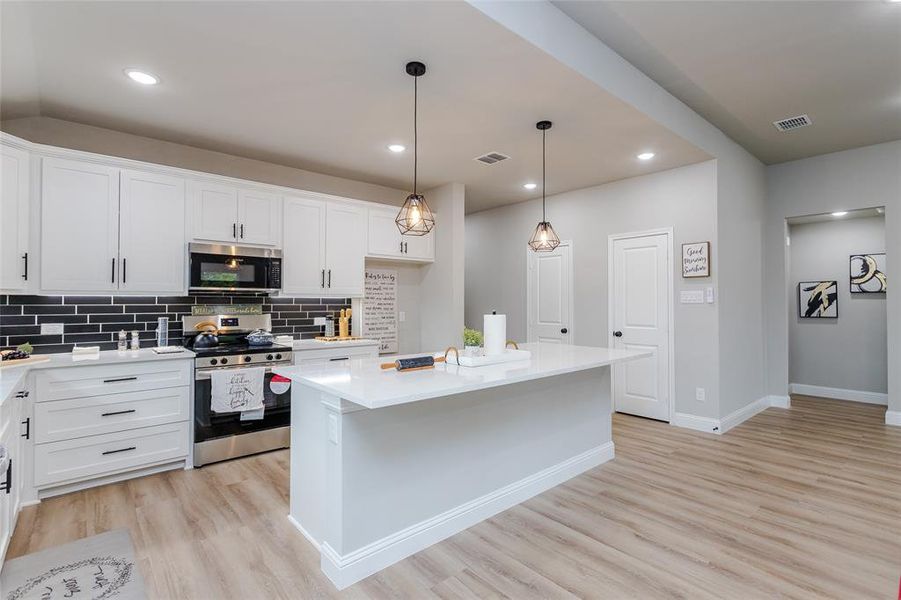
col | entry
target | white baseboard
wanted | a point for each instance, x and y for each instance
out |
(695, 422)
(720, 426)
(839, 394)
(893, 417)
(305, 533)
(345, 570)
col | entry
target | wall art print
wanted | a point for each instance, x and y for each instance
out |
(818, 299)
(867, 273)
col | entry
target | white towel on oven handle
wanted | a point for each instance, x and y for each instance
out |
(237, 390)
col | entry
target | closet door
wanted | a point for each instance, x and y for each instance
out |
(152, 243)
(79, 226)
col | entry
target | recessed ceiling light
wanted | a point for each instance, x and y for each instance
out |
(142, 77)
(530, 186)
(396, 147)
(646, 156)
(839, 213)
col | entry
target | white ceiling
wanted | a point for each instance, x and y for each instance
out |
(321, 86)
(744, 64)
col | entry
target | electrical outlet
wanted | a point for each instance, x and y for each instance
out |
(700, 394)
(51, 328)
(319, 321)
(401, 316)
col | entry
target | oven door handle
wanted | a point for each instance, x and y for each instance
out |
(207, 374)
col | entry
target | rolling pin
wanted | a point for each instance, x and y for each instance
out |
(417, 363)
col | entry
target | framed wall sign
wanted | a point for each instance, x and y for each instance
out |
(818, 299)
(868, 273)
(696, 259)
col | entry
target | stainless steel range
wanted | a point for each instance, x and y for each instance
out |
(221, 342)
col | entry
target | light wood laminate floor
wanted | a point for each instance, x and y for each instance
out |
(799, 503)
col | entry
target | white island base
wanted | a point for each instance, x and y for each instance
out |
(409, 462)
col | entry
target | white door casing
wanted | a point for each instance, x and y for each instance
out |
(550, 295)
(640, 318)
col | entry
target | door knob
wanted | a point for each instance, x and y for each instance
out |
(564, 330)
(617, 334)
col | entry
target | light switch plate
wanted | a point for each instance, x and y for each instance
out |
(319, 321)
(51, 328)
(401, 316)
(700, 394)
(711, 295)
(692, 297)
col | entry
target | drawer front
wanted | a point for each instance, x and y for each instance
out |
(72, 460)
(94, 415)
(327, 354)
(96, 380)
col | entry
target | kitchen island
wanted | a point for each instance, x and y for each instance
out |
(387, 463)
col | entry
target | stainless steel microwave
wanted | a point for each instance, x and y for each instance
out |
(220, 267)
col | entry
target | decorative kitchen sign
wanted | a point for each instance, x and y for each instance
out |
(696, 259)
(380, 308)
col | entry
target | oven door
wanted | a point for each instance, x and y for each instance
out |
(242, 269)
(210, 425)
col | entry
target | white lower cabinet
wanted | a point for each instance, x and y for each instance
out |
(11, 478)
(334, 354)
(102, 421)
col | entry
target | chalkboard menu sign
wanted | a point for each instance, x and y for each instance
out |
(380, 308)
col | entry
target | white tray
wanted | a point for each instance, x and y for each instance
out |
(509, 355)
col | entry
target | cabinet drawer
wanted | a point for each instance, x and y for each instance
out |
(71, 460)
(93, 415)
(76, 382)
(336, 354)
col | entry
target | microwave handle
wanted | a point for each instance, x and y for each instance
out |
(206, 374)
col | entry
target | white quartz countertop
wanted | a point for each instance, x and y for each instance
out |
(363, 382)
(320, 344)
(12, 376)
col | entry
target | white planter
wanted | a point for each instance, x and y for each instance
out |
(472, 351)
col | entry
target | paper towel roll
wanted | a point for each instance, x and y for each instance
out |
(495, 331)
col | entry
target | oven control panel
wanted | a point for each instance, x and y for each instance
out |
(244, 360)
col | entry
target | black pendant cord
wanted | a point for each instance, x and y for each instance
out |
(543, 175)
(415, 132)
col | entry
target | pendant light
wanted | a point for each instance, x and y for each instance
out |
(544, 239)
(415, 217)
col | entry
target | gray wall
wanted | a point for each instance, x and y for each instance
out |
(848, 352)
(683, 198)
(852, 179)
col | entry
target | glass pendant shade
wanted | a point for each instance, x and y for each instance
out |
(415, 217)
(544, 239)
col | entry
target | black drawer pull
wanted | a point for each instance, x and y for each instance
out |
(27, 424)
(7, 485)
(342, 358)
(119, 450)
(118, 412)
(120, 379)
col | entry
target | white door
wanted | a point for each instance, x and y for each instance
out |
(303, 259)
(345, 249)
(215, 212)
(550, 295)
(259, 218)
(151, 233)
(384, 237)
(14, 219)
(640, 307)
(79, 226)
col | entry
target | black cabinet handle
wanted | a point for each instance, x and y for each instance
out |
(401, 247)
(329, 278)
(617, 334)
(119, 450)
(118, 412)
(25, 258)
(242, 231)
(27, 424)
(23, 394)
(119, 379)
(564, 330)
(342, 358)
(124, 272)
(322, 280)
(112, 273)
(406, 247)
(7, 485)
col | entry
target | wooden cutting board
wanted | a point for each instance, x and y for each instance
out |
(23, 361)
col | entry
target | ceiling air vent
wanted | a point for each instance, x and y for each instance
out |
(793, 123)
(491, 158)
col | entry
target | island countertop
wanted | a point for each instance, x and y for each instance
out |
(363, 382)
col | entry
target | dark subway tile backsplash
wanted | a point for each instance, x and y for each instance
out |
(96, 320)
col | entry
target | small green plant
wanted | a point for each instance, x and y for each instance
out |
(472, 337)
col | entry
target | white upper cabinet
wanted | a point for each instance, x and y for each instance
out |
(79, 226)
(385, 240)
(224, 213)
(151, 233)
(259, 219)
(303, 257)
(345, 249)
(215, 211)
(14, 203)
